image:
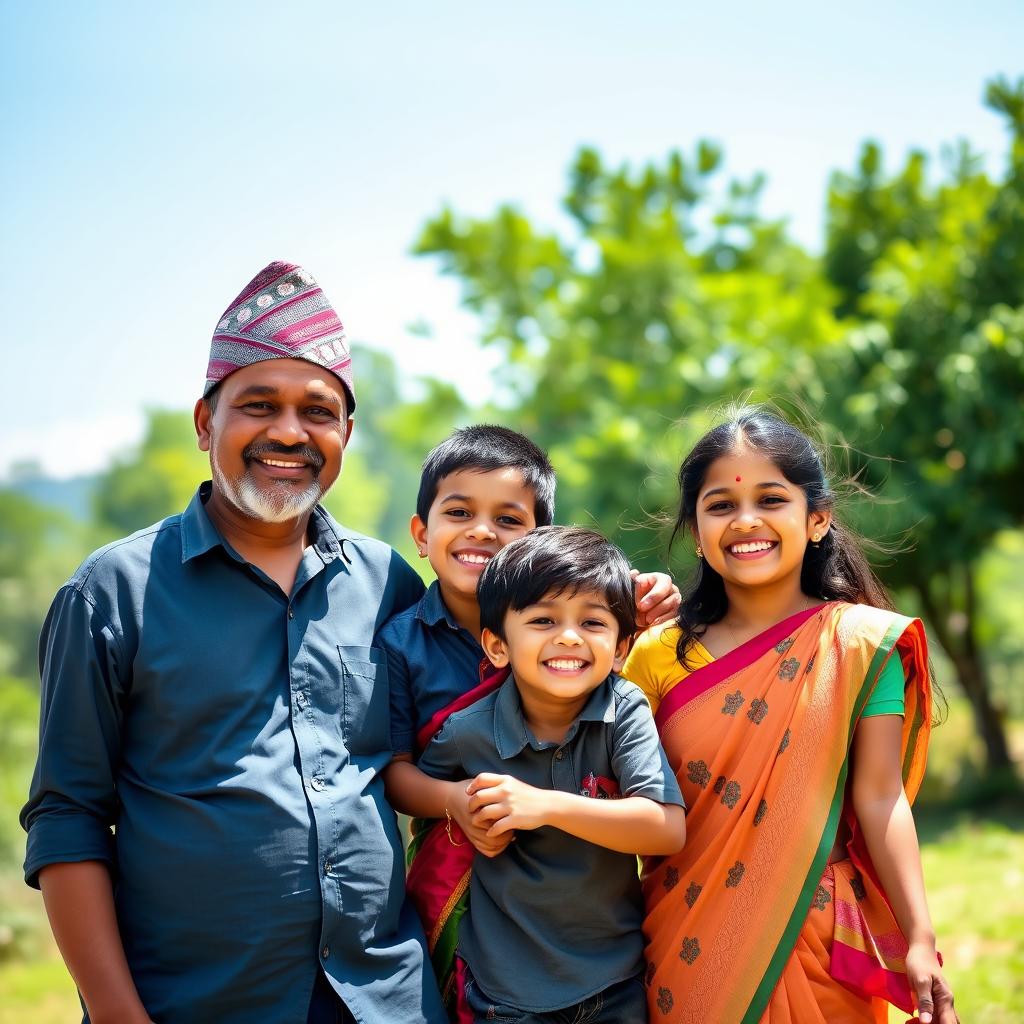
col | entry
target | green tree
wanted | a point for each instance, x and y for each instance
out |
(930, 279)
(38, 550)
(671, 293)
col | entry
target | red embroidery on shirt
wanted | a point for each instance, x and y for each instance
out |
(600, 787)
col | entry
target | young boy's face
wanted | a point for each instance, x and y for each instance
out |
(561, 649)
(473, 516)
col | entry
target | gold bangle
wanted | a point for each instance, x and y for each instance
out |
(448, 828)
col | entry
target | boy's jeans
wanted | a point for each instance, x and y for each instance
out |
(622, 1003)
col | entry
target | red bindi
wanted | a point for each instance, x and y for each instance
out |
(738, 479)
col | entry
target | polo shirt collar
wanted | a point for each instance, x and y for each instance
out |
(431, 608)
(511, 734)
(199, 535)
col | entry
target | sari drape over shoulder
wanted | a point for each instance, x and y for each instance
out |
(440, 860)
(760, 742)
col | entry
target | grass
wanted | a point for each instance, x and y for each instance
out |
(973, 862)
(975, 872)
(974, 869)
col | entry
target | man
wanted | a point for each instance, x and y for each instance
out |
(212, 693)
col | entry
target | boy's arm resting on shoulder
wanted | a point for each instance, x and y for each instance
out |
(657, 598)
(884, 816)
(632, 824)
(79, 902)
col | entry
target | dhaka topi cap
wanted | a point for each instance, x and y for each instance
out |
(282, 313)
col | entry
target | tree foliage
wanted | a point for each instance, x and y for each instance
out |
(671, 294)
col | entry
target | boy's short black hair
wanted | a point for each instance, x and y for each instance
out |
(486, 447)
(556, 560)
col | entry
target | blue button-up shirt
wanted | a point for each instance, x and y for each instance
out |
(432, 661)
(233, 736)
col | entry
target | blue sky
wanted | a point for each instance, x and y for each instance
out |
(154, 157)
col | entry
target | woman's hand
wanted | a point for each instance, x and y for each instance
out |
(932, 994)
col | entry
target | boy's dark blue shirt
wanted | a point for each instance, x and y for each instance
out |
(432, 660)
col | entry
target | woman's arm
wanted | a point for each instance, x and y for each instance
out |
(633, 824)
(883, 813)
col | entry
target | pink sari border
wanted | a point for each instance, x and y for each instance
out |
(721, 668)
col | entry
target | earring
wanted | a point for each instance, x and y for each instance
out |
(816, 538)
(423, 552)
(700, 551)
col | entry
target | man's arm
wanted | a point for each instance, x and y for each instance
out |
(80, 905)
(633, 824)
(73, 801)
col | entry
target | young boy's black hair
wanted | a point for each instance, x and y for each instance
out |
(486, 447)
(556, 560)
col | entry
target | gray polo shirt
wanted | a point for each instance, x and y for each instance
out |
(555, 919)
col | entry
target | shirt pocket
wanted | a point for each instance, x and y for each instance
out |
(365, 700)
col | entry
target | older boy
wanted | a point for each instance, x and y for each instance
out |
(553, 925)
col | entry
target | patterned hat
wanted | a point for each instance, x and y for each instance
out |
(282, 313)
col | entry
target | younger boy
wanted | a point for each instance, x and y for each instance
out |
(554, 922)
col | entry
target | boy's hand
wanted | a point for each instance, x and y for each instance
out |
(500, 803)
(657, 598)
(489, 846)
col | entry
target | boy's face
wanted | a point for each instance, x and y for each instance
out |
(561, 649)
(473, 516)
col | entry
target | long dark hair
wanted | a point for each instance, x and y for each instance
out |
(835, 569)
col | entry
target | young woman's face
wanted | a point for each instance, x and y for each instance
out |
(752, 523)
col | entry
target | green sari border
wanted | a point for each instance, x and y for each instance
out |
(784, 950)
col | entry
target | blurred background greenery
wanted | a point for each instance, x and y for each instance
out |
(667, 296)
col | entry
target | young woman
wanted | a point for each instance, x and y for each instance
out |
(795, 707)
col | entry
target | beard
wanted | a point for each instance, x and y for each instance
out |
(273, 502)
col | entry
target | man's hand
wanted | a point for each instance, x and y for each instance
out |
(477, 834)
(657, 598)
(500, 803)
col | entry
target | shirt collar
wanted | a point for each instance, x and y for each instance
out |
(431, 608)
(199, 535)
(511, 734)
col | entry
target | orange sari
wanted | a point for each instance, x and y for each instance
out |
(749, 922)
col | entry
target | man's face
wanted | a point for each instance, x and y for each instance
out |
(276, 437)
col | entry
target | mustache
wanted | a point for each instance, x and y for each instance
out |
(302, 451)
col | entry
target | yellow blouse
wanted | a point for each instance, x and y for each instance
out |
(652, 665)
(652, 662)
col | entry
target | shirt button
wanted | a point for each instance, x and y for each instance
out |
(317, 782)
(558, 755)
(291, 612)
(327, 867)
(300, 700)
(325, 952)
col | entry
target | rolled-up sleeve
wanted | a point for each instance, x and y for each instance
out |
(73, 798)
